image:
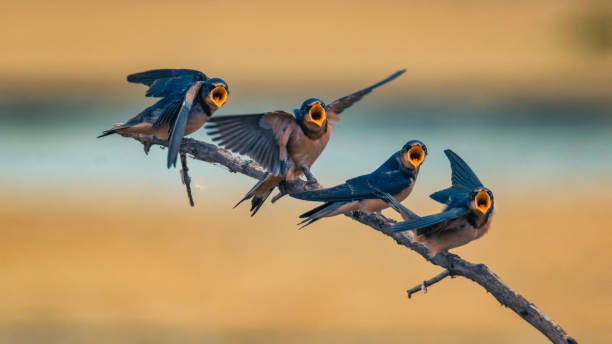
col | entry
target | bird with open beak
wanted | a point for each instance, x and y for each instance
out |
(285, 144)
(394, 178)
(188, 99)
(467, 217)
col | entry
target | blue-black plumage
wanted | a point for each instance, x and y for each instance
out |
(467, 216)
(188, 99)
(395, 177)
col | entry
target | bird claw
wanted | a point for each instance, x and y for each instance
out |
(312, 183)
(356, 213)
(147, 144)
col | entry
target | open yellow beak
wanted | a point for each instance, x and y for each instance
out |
(483, 201)
(219, 95)
(416, 155)
(317, 114)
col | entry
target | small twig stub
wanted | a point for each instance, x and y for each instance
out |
(423, 286)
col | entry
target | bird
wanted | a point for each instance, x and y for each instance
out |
(188, 99)
(395, 178)
(285, 144)
(467, 216)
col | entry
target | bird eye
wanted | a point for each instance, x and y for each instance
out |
(317, 114)
(219, 95)
(415, 155)
(483, 201)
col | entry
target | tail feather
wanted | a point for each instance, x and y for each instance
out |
(258, 201)
(260, 192)
(116, 128)
(315, 210)
(252, 191)
(319, 212)
(308, 222)
(107, 132)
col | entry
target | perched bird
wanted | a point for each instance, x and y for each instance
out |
(396, 177)
(468, 213)
(285, 145)
(189, 99)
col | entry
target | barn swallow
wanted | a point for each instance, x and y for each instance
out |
(285, 144)
(396, 177)
(468, 213)
(188, 99)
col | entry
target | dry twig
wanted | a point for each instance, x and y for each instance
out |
(423, 286)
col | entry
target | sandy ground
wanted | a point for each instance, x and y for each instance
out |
(124, 269)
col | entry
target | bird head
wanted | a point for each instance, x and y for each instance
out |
(215, 92)
(413, 154)
(481, 200)
(312, 114)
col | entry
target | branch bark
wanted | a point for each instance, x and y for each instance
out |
(455, 265)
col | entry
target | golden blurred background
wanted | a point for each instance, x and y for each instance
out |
(98, 242)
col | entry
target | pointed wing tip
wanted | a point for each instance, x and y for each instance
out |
(298, 195)
(397, 74)
(452, 156)
(171, 162)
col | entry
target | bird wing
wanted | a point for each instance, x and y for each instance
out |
(262, 137)
(358, 188)
(352, 189)
(391, 182)
(463, 179)
(164, 82)
(462, 174)
(171, 108)
(428, 222)
(337, 106)
(178, 127)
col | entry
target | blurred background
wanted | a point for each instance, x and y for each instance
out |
(99, 244)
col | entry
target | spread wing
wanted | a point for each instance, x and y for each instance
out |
(336, 107)
(178, 127)
(463, 179)
(436, 222)
(262, 137)
(165, 82)
(462, 174)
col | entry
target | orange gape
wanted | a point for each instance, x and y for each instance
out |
(414, 156)
(317, 114)
(483, 201)
(219, 96)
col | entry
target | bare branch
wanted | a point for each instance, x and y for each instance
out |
(454, 264)
(185, 177)
(423, 286)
